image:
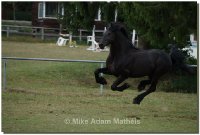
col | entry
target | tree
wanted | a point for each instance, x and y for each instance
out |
(79, 15)
(108, 11)
(159, 22)
(17, 10)
(156, 22)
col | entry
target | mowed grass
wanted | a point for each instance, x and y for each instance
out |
(44, 96)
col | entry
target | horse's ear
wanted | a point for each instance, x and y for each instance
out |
(112, 26)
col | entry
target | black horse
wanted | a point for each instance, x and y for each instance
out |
(126, 61)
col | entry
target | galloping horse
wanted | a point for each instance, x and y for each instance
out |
(126, 61)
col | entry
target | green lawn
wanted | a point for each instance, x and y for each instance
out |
(45, 96)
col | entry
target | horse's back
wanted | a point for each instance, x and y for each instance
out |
(160, 58)
(144, 62)
(163, 60)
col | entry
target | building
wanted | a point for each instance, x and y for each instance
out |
(44, 14)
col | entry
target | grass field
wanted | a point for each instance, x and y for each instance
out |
(63, 97)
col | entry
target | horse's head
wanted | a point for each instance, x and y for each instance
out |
(110, 35)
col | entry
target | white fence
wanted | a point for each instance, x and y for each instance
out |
(81, 31)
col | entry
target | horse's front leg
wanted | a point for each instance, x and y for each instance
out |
(119, 80)
(100, 79)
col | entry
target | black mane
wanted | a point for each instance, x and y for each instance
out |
(119, 27)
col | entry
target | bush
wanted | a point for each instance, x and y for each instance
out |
(191, 61)
(179, 82)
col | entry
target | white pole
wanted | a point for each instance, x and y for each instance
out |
(42, 34)
(70, 39)
(93, 38)
(99, 14)
(133, 37)
(4, 77)
(191, 38)
(116, 13)
(104, 29)
(101, 85)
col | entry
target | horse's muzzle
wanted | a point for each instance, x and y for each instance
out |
(101, 46)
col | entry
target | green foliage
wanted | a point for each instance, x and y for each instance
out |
(108, 11)
(17, 10)
(160, 22)
(79, 15)
(156, 22)
(191, 61)
(179, 82)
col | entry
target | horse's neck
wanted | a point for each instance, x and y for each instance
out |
(121, 46)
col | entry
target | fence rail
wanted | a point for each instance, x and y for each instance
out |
(5, 59)
(29, 30)
(54, 60)
(43, 31)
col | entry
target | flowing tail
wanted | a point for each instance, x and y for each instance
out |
(178, 59)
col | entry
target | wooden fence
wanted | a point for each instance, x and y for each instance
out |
(43, 32)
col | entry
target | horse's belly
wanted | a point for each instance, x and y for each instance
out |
(140, 73)
(141, 69)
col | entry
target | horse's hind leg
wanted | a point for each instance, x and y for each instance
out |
(119, 80)
(151, 89)
(157, 74)
(142, 84)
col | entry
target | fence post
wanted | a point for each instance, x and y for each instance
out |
(8, 29)
(101, 85)
(80, 36)
(70, 39)
(4, 76)
(42, 36)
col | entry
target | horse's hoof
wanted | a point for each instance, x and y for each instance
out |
(113, 88)
(102, 81)
(136, 100)
(123, 87)
(126, 86)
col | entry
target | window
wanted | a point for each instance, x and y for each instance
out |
(60, 9)
(50, 9)
(40, 10)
